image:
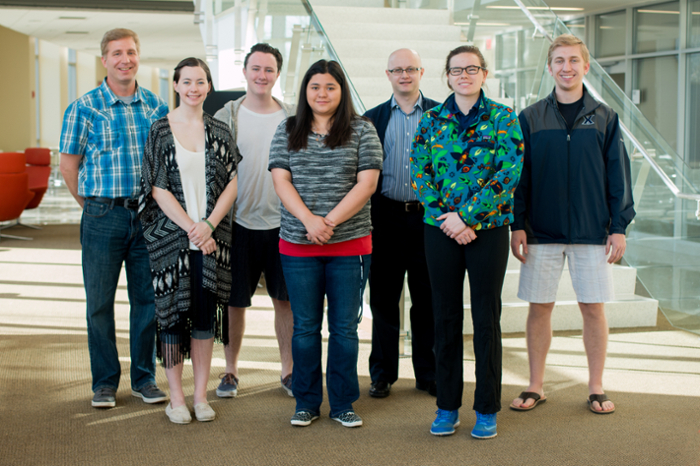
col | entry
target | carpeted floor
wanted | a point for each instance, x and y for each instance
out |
(653, 376)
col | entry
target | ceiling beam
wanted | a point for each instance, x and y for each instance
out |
(183, 6)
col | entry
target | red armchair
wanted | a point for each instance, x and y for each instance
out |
(39, 171)
(14, 189)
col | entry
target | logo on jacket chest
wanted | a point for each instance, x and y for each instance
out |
(588, 120)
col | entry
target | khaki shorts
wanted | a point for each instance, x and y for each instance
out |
(590, 273)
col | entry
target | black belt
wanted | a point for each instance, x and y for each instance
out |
(411, 206)
(126, 202)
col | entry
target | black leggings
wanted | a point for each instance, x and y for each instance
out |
(485, 260)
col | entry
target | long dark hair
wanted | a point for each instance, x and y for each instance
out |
(299, 126)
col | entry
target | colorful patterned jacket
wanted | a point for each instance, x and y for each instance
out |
(472, 172)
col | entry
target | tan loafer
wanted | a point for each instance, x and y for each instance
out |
(179, 415)
(203, 412)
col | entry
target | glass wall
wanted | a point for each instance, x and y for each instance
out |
(662, 69)
(611, 32)
(656, 79)
(657, 27)
(694, 23)
(693, 110)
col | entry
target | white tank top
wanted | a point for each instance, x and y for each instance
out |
(194, 183)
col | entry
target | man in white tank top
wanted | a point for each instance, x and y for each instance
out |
(255, 246)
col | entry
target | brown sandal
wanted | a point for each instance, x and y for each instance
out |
(527, 395)
(600, 399)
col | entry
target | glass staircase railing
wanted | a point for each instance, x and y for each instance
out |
(289, 25)
(663, 242)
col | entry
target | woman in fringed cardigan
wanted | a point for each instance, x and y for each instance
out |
(188, 188)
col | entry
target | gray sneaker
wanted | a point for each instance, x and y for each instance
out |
(287, 384)
(303, 418)
(104, 398)
(150, 393)
(349, 419)
(228, 388)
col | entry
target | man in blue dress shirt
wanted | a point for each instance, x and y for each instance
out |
(102, 143)
(397, 235)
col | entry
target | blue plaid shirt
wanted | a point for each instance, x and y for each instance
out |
(110, 135)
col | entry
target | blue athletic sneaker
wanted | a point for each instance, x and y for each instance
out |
(445, 422)
(485, 425)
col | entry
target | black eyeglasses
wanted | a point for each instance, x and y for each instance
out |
(409, 70)
(472, 69)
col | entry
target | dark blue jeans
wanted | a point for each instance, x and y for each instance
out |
(110, 236)
(342, 280)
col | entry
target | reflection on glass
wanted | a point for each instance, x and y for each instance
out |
(657, 27)
(657, 82)
(693, 113)
(611, 29)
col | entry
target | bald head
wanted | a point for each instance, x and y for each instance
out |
(401, 55)
(405, 84)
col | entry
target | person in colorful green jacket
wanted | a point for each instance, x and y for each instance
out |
(466, 161)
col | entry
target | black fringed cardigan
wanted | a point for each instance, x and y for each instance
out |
(168, 244)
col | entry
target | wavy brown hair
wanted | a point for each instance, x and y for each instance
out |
(299, 126)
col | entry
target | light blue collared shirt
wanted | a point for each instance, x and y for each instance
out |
(396, 175)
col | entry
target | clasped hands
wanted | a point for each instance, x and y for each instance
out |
(455, 228)
(200, 235)
(319, 229)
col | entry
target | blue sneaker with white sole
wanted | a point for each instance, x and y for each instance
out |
(485, 425)
(445, 422)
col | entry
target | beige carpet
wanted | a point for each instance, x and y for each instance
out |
(47, 419)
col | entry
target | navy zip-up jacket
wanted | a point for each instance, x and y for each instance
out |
(575, 184)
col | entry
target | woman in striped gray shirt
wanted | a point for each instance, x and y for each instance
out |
(325, 162)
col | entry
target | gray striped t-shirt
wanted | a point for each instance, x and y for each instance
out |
(323, 177)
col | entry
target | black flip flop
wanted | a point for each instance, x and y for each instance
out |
(600, 399)
(527, 395)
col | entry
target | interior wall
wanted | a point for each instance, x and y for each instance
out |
(85, 65)
(50, 85)
(17, 80)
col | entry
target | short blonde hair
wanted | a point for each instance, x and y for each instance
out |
(118, 34)
(566, 40)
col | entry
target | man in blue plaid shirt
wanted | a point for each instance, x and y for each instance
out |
(102, 143)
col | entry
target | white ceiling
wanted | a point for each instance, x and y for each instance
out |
(166, 38)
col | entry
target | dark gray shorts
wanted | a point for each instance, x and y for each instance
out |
(254, 252)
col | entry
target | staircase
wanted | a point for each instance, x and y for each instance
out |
(363, 37)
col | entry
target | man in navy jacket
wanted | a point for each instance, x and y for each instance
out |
(397, 235)
(574, 200)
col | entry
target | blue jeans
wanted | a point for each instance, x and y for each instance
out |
(110, 236)
(342, 279)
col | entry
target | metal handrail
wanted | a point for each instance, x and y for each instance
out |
(638, 145)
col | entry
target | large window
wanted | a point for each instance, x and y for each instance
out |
(693, 110)
(611, 32)
(657, 82)
(656, 27)
(694, 23)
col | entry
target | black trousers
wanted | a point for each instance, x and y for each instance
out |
(397, 249)
(485, 260)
